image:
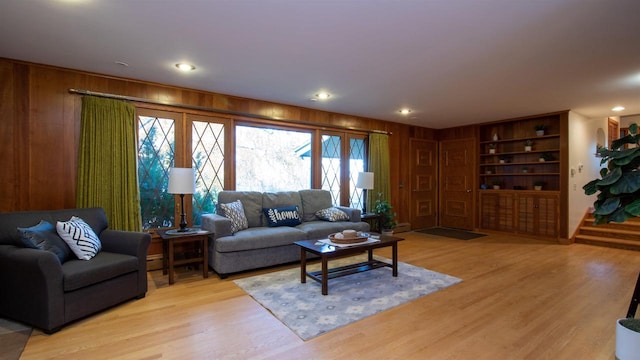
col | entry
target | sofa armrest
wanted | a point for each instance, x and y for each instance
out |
(354, 214)
(31, 284)
(218, 225)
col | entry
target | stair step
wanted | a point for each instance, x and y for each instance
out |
(631, 224)
(614, 232)
(609, 242)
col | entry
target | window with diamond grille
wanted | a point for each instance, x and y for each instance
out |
(356, 165)
(156, 153)
(207, 143)
(331, 166)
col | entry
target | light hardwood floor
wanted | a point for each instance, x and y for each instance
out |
(521, 298)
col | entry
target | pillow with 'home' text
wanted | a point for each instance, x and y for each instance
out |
(282, 216)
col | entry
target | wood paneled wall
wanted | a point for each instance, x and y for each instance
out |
(41, 125)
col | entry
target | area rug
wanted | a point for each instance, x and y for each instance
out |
(13, 338)
(308, 313)
(452, 233)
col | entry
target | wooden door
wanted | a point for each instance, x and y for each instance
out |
(424, 196)
(457, 164)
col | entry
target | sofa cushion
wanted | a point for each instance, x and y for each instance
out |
(280, 199)
(332, 214)
(234, 211)
(44, 236)
(104, 266)
(84, 243)
(259, 238)
(282, 216)
(316, 230)
(251, 201)
(314, 200)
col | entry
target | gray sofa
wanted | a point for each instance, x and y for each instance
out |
(40, 290)
(261, 245)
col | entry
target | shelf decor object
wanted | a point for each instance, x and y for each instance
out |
(181, 181)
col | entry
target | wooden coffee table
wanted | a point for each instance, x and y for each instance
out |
(326, 252)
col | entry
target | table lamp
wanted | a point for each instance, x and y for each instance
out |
(181, 181)
(365, 182)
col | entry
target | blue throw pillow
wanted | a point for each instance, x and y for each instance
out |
(282, 216)
(45, 237)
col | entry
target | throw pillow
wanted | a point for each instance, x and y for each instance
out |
(235, 212)
(332, 214)
(44, 237)
(80, 237)
(282, 216)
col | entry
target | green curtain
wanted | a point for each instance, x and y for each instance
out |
(107, 168)
(379, 165)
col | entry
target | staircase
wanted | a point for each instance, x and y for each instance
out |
(624, 235)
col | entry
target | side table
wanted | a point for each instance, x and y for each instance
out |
(374, 220)
(170, 240)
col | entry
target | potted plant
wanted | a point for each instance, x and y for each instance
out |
(545, 157)
(492, 148)
(525, 170)
(528, 144)
(540, 129)
(387, 216)
(618, 198)
(503, 159)
(537, 185)
(496, 184)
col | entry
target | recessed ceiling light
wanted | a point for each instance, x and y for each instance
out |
(618, 108)
(405, 111)
(323, 95)
(185, 67)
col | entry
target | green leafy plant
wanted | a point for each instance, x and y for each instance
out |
(385, 210)
(619, 186)
(528, 142)
(538, 183)
(492, 146)
(539, 127)
(496, 182)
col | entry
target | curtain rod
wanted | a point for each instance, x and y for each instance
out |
(226, 112)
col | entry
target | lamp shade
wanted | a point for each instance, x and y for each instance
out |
(365, 180)
(181, 181)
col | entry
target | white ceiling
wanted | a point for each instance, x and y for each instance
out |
(453, 62)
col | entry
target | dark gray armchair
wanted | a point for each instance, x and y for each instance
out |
(37, 289)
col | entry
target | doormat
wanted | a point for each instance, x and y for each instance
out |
(452, 233)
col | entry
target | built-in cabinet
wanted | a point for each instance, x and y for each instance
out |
(522, 175)
(523, 212)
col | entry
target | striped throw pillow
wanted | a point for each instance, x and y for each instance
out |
(80, 237)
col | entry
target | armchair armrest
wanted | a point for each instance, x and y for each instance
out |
(130, 243)
(126, 242)
(218, 225)
(354, 214)
(31, 283)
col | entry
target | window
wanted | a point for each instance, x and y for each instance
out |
(160, 147)
(156, 153)
(339, 177)
(207, 144)
(272, 160)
